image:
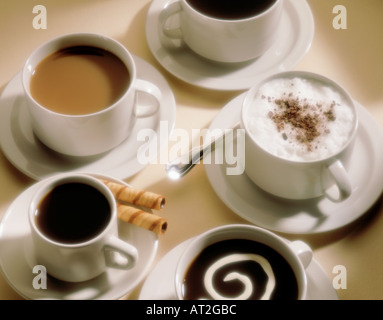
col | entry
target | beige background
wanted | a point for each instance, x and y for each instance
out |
(352, 57)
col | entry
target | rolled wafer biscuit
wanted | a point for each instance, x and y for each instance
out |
(142, 218)
(135, 196)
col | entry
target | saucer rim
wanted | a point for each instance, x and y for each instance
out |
(167, 59)
(214, 173)
(37, 170)
(104, 294)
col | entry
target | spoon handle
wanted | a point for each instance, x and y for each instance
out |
(180, 166)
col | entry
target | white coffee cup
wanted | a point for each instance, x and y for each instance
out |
(76, 261)
(222, 40)
(297, 178)
(296, 254)
(94, 133)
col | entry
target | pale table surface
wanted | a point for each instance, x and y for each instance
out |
(352, 57)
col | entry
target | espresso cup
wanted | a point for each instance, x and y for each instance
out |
(73, 220)
(245, 31)
(81, 127)
(300, 132)
(242, 262)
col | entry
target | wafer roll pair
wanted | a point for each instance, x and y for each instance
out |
(142, 218)
(126, 195)
(135, 196)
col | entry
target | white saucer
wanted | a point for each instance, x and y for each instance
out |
(31, 157)
(294, 40)
(17, 259)
(159, 284)
(313, 216)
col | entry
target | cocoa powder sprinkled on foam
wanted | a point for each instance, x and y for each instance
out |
(299, 120)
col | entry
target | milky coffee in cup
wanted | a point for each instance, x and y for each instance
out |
(79, 80)
(82, 94)
(300, 119)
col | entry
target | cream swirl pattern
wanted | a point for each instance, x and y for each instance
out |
(239, 269)
(249, 286)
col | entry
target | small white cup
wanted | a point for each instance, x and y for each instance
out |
(76, 262)
(223, 40)
(297, 254)
(94, 133)
(299, 179)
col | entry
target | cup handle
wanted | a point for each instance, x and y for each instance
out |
(128, 255)
(303, 251)
(149, 89)
(169, 10)
(342, 181)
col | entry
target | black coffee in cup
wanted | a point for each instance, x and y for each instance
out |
(231, 9)
(73, 213)
(239, 268)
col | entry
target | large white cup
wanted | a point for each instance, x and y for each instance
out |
(94, 133)
(223, 40)
(297, 254)
(299, 179)
(75, 262)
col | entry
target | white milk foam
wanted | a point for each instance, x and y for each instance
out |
(329, 110)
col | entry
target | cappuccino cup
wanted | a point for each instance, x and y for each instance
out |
(242, 262)
(221, 30)
(300, 132)
(81, 91)
(73, 221)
